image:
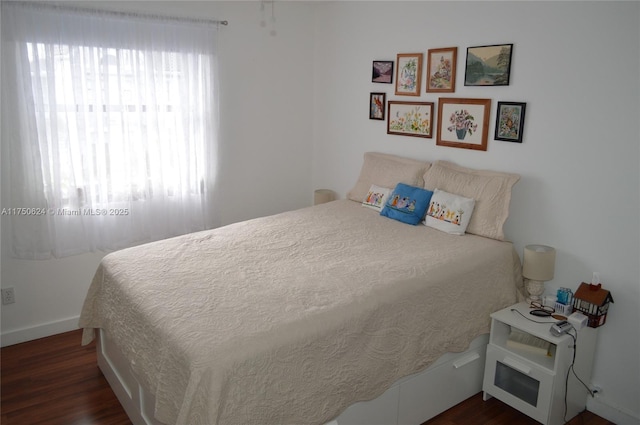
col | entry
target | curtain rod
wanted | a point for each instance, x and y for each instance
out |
(119, 13)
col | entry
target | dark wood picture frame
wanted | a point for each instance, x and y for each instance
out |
(441, 70)
(510, 121)
(382, 72)
(377, 105)
(410, 119)
(488, 65)
(463, 123)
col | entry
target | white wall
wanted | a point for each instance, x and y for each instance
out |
(294, 116)
(577, 66)
(266, 132)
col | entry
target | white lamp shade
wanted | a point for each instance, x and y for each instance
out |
(539, 262)
(320, 196)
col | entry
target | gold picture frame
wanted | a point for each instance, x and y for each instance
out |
(441, 70)
(409, 74)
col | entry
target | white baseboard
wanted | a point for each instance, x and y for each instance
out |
(603, 408)
(40, 331)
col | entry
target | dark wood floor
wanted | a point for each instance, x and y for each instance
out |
(55, 381)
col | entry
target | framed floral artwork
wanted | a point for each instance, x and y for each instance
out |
(377, 106)
(488, 65)
(410, 119)
(441, 70)
(463, 123)
(510, 121)
(409, 74)
(382, 72)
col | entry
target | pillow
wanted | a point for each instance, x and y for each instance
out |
(387, 170)
(449, 213)
(490, 189)
(376, 197)
(407, 204)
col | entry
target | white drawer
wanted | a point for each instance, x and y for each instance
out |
(428, 397)
(518, 382)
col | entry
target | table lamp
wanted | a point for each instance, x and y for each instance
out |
(537, 268)
(320, 196)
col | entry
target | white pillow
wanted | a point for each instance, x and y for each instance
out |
(490, 189)
(387, 170)
(449, 212)
(376, 197)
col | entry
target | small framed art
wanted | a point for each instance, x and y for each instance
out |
(464, 123)
(510, 121)
(382, 72)
(376, 106)
(409, 74)
(488, 65)
(441, 70)
(410, 119)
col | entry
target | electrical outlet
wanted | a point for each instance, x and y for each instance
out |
(8, 296)
(596, 389)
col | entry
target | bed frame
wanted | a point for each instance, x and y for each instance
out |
(454, 377)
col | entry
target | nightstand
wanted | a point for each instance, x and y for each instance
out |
(534, 382)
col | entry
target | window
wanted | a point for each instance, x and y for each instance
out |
(111, 126)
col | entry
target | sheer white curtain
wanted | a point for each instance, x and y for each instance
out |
(109, 128)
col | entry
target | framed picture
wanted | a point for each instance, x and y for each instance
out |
(382, 72)
(488, 65)
(464, 123)
(410, 119)
(510, 121)
(409, 74)
(441, 70)
(377, 106)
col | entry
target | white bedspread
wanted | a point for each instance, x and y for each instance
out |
(291, 318)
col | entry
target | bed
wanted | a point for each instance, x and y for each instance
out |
(292, 318)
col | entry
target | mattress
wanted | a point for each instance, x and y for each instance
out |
(289, 319)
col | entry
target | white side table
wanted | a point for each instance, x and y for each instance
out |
(532, 382)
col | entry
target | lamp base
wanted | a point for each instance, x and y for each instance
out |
(535, 288)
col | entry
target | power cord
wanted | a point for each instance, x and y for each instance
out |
(572, 370)
(573, 360)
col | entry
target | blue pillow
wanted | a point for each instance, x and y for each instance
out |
(407, 204)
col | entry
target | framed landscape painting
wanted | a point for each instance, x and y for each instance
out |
(441, 70)
(410, 119)
(488, 65)
(463, 123)
(382, 72)
(409, 74)
(510, 121)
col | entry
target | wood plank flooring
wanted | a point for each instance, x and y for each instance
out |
(55, 381)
